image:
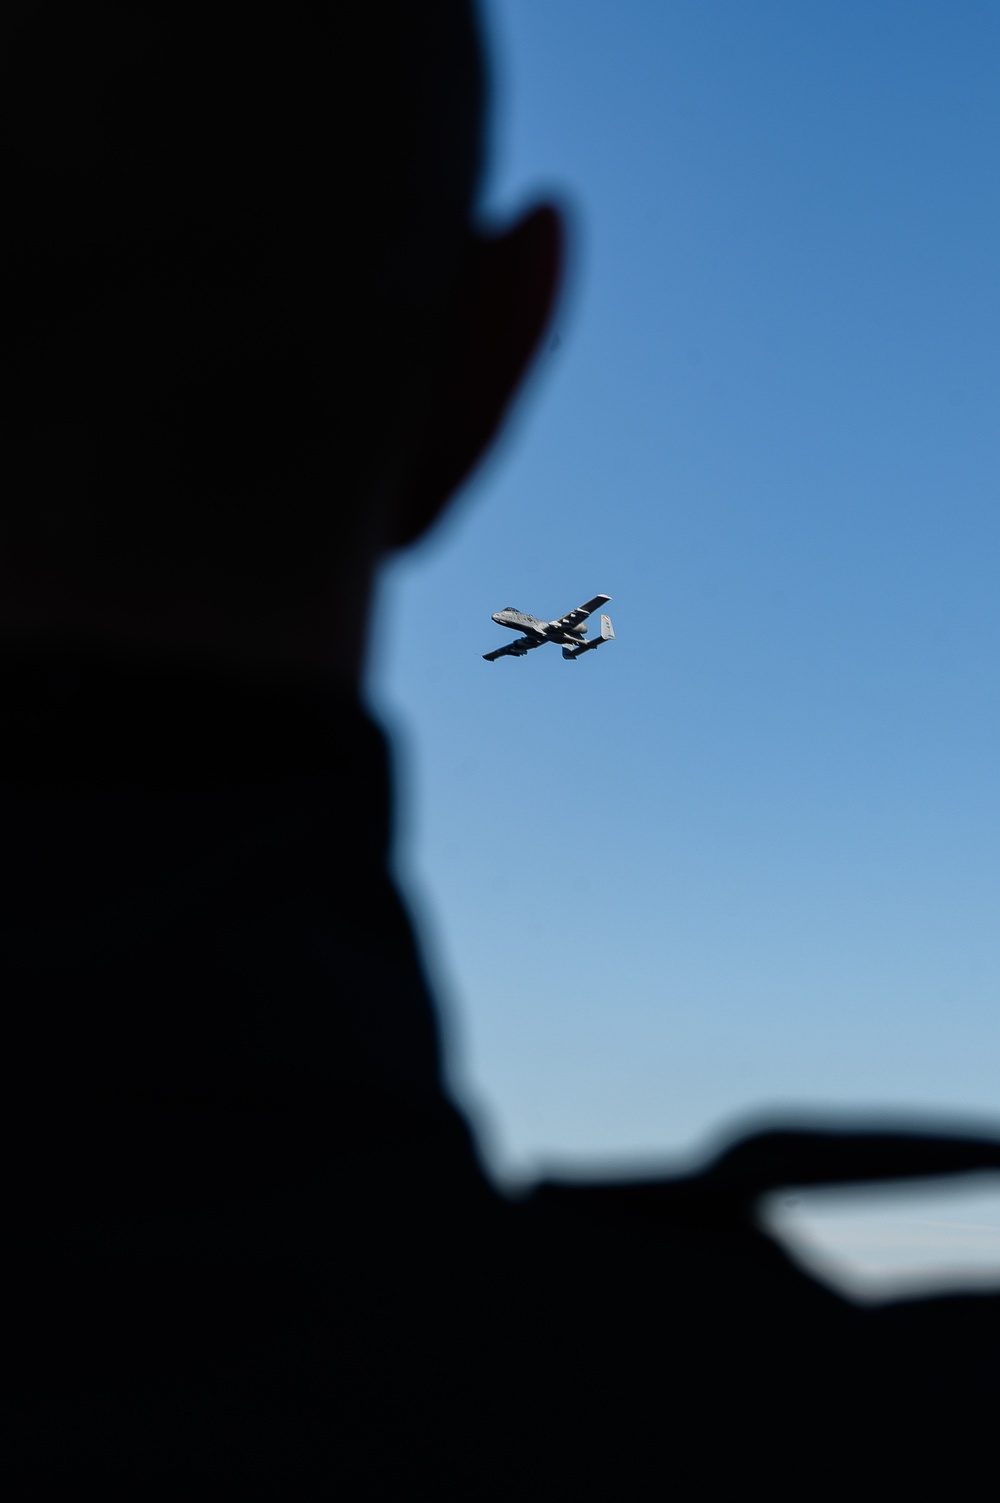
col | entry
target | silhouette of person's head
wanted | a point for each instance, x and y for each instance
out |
(254, 339)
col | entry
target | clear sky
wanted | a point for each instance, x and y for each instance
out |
(746, 858)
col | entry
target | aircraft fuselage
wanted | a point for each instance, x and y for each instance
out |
(545, 631)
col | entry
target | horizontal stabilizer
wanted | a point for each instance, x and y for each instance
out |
(607, 634)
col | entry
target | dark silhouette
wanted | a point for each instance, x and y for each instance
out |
(252, 343)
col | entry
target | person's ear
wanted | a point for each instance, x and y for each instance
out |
(507, 295)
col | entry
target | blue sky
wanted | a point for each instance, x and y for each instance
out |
(746, 859)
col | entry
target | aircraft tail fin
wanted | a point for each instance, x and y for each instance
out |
(607, 630)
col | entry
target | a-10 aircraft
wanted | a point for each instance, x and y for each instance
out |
(570, 631)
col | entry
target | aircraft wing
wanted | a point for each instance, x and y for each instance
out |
(583, 611)
(513, 649)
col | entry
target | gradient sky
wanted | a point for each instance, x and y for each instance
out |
(746, 859)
